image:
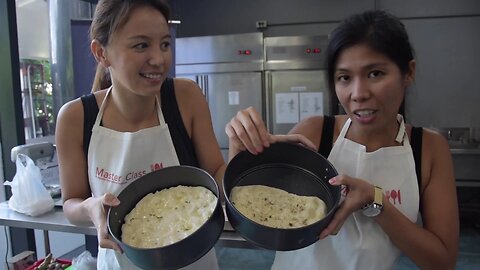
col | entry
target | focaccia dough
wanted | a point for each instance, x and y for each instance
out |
(277, 208)
(168, 216)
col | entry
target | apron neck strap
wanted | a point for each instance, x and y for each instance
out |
(400, 135)
(159, 111)
(401, 129)
(161, 119)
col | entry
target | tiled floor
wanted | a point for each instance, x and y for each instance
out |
(239, 258)
(469, 249)
(256, 259)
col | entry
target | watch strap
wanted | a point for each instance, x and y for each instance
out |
(378, 196)
(374, 208)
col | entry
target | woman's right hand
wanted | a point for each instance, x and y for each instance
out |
(96, 210)
(247, 131)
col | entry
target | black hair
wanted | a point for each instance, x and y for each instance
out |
(381, 31)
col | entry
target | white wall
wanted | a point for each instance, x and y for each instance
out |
(60, 243)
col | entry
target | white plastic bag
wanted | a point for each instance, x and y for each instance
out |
(84, 261)
(29, 195)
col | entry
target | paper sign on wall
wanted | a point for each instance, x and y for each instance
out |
(311, 104)
(286, 108)
(233, 98)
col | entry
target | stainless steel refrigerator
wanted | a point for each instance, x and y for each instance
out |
(228, 68)
(295, 80)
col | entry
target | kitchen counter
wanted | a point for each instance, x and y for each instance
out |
(465, 151)
(465, 163)
(55, 220)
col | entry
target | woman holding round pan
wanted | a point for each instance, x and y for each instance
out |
(143, 121)
(370, 67)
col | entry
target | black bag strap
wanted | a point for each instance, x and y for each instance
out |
(416, 143)
(327, 136)
(90, 111)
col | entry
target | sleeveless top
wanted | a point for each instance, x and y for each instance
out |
(361, 243)
(128, 156)
(168, 102)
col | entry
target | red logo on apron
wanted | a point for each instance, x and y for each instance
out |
(394, 196)
(156, 166)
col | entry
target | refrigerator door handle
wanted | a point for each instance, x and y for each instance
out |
(269, 101)
(200, 79)
(205, 86)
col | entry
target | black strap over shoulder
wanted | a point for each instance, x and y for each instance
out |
(90, 111)
(327, 136)
(171, 112)
(416, 143)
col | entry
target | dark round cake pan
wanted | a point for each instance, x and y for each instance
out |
(183, 252)
(290, 167)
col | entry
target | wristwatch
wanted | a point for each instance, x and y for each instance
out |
(374, 208)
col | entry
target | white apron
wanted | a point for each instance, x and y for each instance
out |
(361, 243)
(116, 159)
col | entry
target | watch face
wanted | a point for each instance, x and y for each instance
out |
(372, 210)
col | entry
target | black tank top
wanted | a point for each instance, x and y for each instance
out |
(181, 141)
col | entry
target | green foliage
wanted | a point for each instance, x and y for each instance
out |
(41, 86)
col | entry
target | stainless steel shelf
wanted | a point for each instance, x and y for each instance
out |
(55, 220)
(465, 151)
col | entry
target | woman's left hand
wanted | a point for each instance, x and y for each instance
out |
(357, 193)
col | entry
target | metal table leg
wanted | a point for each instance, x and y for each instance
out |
(46, 242)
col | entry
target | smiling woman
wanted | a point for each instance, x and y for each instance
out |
(136, 121)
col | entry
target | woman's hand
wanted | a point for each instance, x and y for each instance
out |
(96, 210)
(247, 131)
(357, 193)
